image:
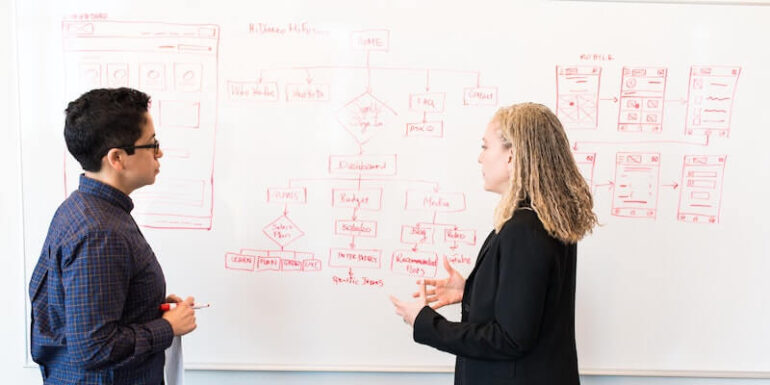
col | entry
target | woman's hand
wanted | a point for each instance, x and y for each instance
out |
(408, 310)
(444, 291)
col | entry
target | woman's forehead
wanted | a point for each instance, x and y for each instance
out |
(492, 131)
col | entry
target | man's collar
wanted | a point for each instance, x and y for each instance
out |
(106, 192)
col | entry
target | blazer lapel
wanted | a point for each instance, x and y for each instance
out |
(482, 253)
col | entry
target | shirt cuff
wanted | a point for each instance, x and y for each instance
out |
(162, 334)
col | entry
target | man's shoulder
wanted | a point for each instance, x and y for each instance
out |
(81, 214)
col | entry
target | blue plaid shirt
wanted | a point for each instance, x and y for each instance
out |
(95, 293)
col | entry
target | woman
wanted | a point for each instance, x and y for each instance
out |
(518, 303)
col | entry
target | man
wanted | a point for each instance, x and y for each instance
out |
(97, 286)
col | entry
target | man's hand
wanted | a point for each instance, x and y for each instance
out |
(182, 317)
(173, 298)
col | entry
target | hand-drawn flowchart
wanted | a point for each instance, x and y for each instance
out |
(636, 183)
(358, 179)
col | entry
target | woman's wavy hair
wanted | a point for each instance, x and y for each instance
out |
(544, 175)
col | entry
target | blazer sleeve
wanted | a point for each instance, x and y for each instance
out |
(524, 269)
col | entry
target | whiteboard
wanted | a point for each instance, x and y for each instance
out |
(319, 157)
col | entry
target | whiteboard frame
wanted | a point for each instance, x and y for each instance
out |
(193, 366)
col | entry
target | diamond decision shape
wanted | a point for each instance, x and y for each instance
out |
(364, 116)
(283, 231)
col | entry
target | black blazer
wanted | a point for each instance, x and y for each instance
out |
(518, 311)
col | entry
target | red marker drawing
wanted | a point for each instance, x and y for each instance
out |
(169, 306)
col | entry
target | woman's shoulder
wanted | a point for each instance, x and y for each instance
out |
(522, 217)
(525, 224)
(526, 233)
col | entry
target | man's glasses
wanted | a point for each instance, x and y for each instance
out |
(130, 149)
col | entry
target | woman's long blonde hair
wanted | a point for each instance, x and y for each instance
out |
(544, 172)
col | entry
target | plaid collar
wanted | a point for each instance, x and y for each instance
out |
(106, 192)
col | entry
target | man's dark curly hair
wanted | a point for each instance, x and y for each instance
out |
(102, 119)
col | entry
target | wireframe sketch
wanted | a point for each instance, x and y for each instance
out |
(710, 100)
(701, 194)
(577, 96)
(176, 64)
(642, 92)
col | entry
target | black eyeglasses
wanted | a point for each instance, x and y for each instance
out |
(130, 149)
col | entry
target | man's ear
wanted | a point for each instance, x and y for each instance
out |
(114, 159)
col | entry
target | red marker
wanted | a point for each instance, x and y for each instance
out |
(169, 306)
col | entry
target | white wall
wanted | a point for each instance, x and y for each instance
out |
(12, 328)
(12, 333)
